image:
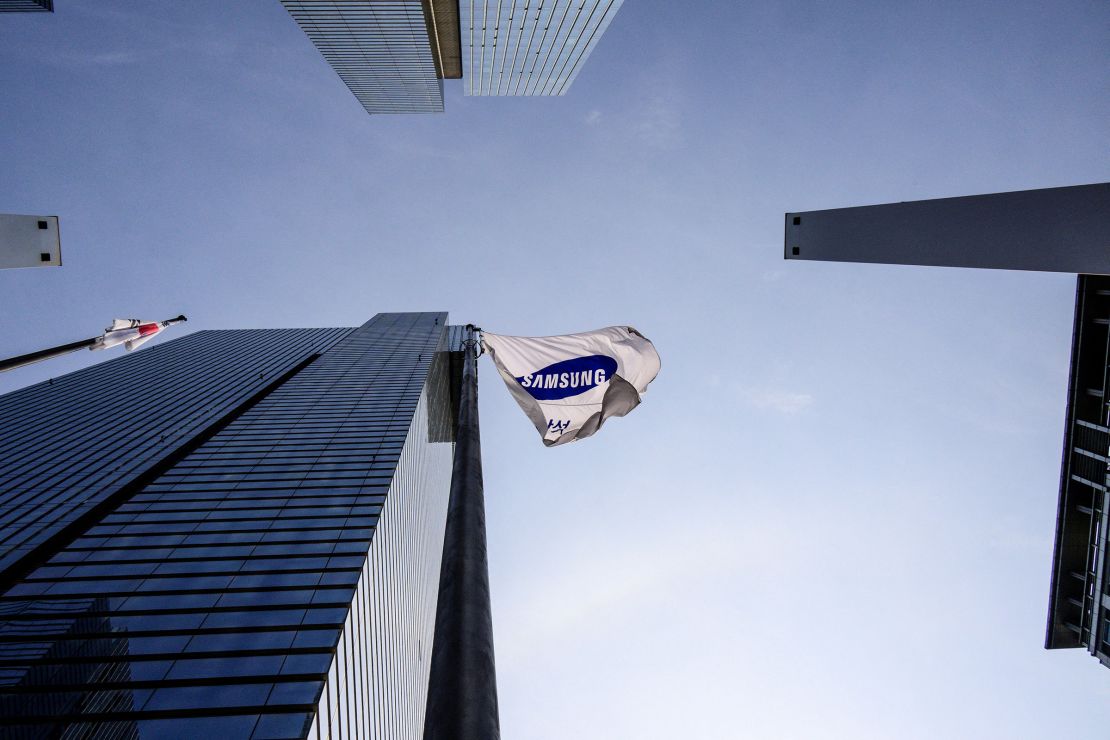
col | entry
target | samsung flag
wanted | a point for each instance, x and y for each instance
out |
(569, 385)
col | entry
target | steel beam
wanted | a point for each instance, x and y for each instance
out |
(1055, 230)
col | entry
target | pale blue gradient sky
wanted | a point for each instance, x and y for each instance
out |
(833, 515)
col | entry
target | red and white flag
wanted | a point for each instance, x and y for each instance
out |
(132, 332)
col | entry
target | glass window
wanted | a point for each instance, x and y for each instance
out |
(202, 697)
(191, 728)
(163, 644)
(238, 666)
(241, 641)
(309, 664)
(295, 692)
(267, 618)
(325, 638)
(292, 725)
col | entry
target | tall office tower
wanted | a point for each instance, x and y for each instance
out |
(1079, 597)
(395, 54)
(392, 54)
(512, 48)
(26, 6)
(236, 534)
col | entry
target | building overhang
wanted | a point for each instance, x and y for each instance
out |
(442, 18)
(1053, 229)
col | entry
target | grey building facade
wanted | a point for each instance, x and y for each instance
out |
(1079, 597)
(235, 533)
(512, 48)
(394, 54)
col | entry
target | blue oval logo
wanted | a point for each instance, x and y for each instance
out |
(569, 377)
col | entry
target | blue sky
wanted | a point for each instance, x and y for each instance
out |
(832, 517)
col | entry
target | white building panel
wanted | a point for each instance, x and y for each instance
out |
(29, 241)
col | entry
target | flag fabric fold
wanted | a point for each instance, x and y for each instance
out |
(132, 332)
(569, 385)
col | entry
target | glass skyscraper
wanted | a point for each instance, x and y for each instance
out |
(235, 534)
(395, 54)
(512, 48)
(392, 54)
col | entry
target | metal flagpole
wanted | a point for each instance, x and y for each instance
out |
(45, 354)
(462, 687)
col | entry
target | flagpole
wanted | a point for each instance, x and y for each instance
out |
(45, 354)
(462, 685)
(12, 363)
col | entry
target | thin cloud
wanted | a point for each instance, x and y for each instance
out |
(604, 582)
(784, 402)
(98, 59)
(659, 124)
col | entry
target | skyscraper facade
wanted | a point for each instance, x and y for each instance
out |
(512, 48)
(395, 54)
(1079, 597)
(236, 534)
(392, 54)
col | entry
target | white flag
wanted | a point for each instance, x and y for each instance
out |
(569, 385)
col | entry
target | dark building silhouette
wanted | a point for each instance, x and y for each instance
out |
(1079, 599)
(65, 663)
